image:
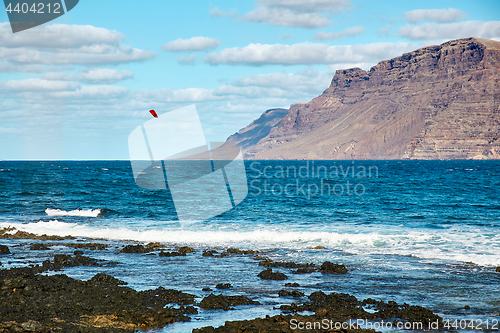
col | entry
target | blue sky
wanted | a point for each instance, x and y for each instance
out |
(75, 87)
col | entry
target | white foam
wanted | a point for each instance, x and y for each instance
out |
(77, 212)
(457, 244)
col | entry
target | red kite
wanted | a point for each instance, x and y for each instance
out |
(153, 112)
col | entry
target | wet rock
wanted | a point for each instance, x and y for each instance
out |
(38, 246)
(5, 233)
(467, 307)
(4, 249)
(498, 269)
(171, 254)
(304, 270)
(293, 293)
(209, 253)
(319, 247)
(223, 286)
(275, 324)
(270, 263)
(293, 285)
(185, 249)
(207, 289)
(101, 279)
(238, 251)
(329, 267)
(135, 249)
(268, 274)
(154, 245)
(31, 326)
(344, 306)
(90, 246)
(78, 253)
(217, 302)
(97, 305)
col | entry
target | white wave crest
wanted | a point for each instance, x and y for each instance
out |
(76, 212)
(457, 244)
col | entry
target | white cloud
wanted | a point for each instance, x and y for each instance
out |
(309, 14)
(338, 35)
(287, 18)
(216, 12)
(171, 95)
(429, 30)
(188, 59)
(191, 44)
(37, 85)
(104, 75)
(59, 36)
(95, 76)
(309, 80)
(306, 53)
(92, 92)
(331, 6)
(62, 44)
(436, 15)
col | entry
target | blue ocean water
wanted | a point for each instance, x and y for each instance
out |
(420, 232)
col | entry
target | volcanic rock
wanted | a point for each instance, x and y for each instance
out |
(268, 274)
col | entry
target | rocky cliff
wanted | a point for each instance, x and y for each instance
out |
(258, 129)
(438, 102)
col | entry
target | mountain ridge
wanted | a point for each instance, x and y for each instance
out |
(437, 102)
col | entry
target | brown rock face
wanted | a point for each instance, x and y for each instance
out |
(258, 129)
(438, 102)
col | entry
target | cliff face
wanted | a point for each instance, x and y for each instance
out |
(438, 102)
(258, 129)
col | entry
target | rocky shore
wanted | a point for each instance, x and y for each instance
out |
(33, 301)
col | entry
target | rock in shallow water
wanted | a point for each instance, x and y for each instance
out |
(268, 274)
(4, 249)
(329, 267)
(217, 302)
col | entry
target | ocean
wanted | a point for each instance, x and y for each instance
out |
(418, 232)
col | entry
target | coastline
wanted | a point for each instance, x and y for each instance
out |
(98, 304)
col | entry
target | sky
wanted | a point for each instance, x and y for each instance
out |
(76, 87)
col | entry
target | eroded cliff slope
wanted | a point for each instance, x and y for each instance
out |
(438, 102)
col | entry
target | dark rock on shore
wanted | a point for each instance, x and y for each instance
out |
(223, 286)
(270, 263)
(185, 249)
(90, 246)
(101, 279)
(238, 251)
(171, 254)
(209, 253)
(275, 324)
(228, 252)
(135, 249)
(4, 249)
(217, 302)
(268, 274)
(293, 293)
(342, 306)
(59, 303)
(498, 269)
(304, 270)
(329, 267)
(28, 235)
(38, 246)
